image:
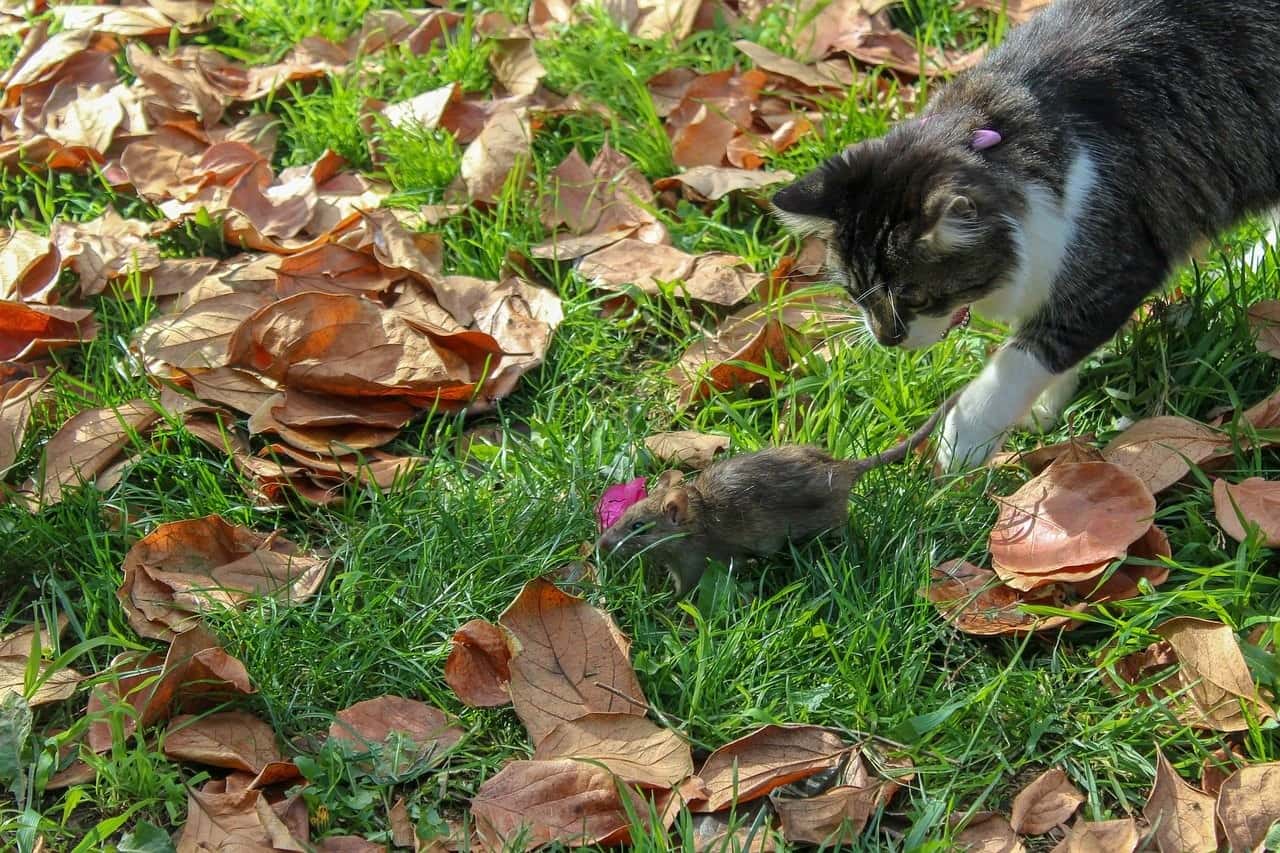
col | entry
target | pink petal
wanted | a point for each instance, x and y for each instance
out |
(615, 500)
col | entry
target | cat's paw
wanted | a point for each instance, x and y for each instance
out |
(967, 440)
(1048, 407)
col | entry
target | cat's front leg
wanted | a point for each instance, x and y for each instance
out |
(998, 398)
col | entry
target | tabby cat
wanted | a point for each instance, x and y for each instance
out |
(1053, 187)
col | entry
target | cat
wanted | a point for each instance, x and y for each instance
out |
(1053, 187)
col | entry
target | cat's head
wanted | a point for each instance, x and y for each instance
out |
(918, 225)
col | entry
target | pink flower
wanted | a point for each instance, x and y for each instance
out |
(615, 500)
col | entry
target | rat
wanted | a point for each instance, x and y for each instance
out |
(746, 506)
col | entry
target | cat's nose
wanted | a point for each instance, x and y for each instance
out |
(891, 337)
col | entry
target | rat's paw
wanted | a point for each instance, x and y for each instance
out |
(966, 441)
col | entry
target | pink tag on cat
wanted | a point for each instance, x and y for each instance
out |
(984, 139)
(615, 500)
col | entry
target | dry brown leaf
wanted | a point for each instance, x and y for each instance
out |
(369, 725)
(835, 817)
(768, 758)
(195, 674)
(492, 155)
(567, 660)
(185, 568)
(197, 338)
(1264, 320)
(86, 444)
(747, 347)
(478, 667)
(402, 831)
(1181, 817)
(542, 802)
(1123, 583)
(1253, 502)
(1075, 449)
(29, 267)
(1017, 11)
(826, 75)
(715, 108)
(28, 331)
(17, 400)
(1106, 836)
(1249, 805)
(1048, 801)
(1072, 515)
(709, 183)
(971, 598)
(218, 819)
(686, 448)
(740, 831)
(57, 685)
(352, 844)
(989, 833)
(630, 747)
(516, 66)
(18, 643)
(1160, 451)
(232, 739)
(1218, 767)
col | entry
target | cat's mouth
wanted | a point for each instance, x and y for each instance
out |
(959, 318)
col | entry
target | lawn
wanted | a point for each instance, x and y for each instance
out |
(833, 633)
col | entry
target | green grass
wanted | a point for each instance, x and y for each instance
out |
(832, 633)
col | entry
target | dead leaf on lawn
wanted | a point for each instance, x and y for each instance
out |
(1048, 801)
(516, 66)
(231, 739)
(632, 748)
(29, 267)
(1017, 11)
(1253, 502)
(478, 667)
(835, 817)
(237, 820)
(1218, 767)
(55, 685)
(715, 108)
(972, 599)
(568, 660)
(17, 401)
(197, 338)
(746, 348)
(716, 277)
(1076, 449)
(1082, 514)
(29, 331)
(195, 674)
(686, 448)
(1105, 836)
(768, 758)
(1160, 451)
(1181, 817)
(1264, 320)
(18, 643)
(821, 75)
(1249, 805)
(989, 832)
(542, 802)
(406, 737)
(710, 183)
(491, 156)
(86, 444)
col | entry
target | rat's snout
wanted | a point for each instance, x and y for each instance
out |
(607, 541)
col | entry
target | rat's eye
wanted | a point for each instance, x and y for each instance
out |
(637, 525)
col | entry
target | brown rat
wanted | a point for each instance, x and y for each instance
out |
(746, 506)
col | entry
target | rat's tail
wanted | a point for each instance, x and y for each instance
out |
(900, 450)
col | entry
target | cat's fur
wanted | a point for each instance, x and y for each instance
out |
(1130, 130)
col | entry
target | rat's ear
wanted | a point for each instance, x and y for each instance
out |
(675, 506)
(667, 479)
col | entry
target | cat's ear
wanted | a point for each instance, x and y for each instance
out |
(675, 506)
(958, 225)
(808, 205)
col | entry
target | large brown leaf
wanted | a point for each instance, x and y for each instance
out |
(478, 668)
(17, 400)
(1181, 816)
(56, 685)
(29, 267)
(1264, 320)
(489, 159)
(686, 448)
(1160, 451)
(709, 183)
(835, 817)
(768, 758)
(105, 249)
(197, 338)
(988, 832)
(1104, 836)
(973, 599)
(85, 445)
(1048, 801)
(231, 739)
(1074, 514)
(568, 660)
(28, 331)
(823, 75)
(1249, 805)
(185, 568)
(715, 108)
(1253, 502)
(630, 747)
(542, 802)
(747, 347)
(374, 725)
(218, 819)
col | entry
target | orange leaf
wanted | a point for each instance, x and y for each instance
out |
(768, 758)
(478, 668)
(970, 598)
(370, 725)
(28, 331)
(1254, 502)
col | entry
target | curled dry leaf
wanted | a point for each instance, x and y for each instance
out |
(768, 758)
(1077, 514)
(686, 448)
(972, 599)
(219, 819)
(28, 331)
(710, 183)
(185, 568)
(231, 739)
(54, 686)
(88, 443)
(1048, 801)
(748, 347)
(632, 748)
(1264, 320)
(1255, 502)
(835, 817)
(1249, 805)
(491, 156)
(1018, 11)
(1111, 836)
(370, 727)
(195, 674)
(822, 75)
(749, 829)
(568, 660)
(1180, 816)
(1076, 449)
(1160, 451)
(542, 802)
(17, 400)
(29, 267)
(989, 832)
(478, 667)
